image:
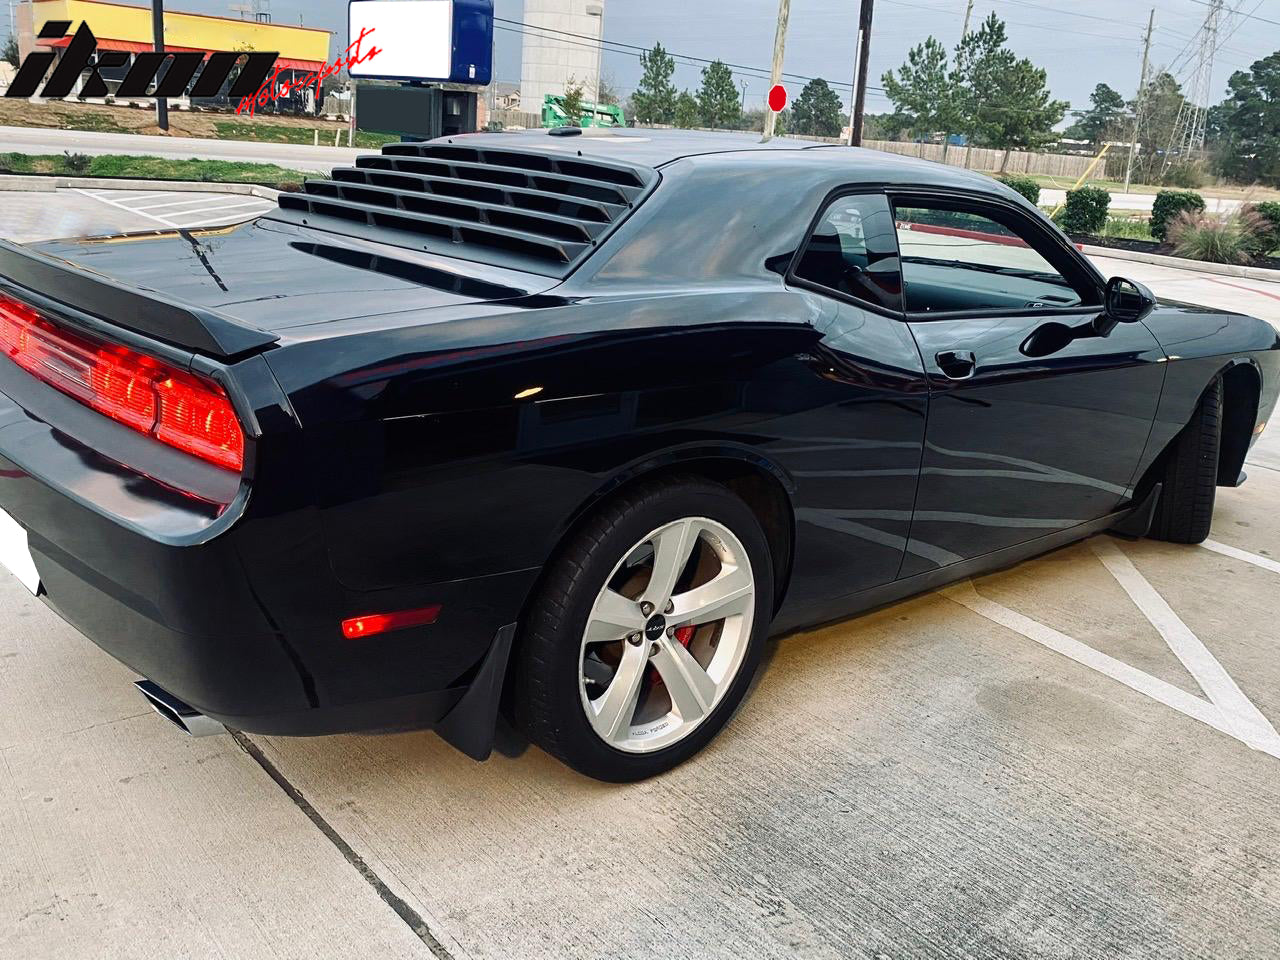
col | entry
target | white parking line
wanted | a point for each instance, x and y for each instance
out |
(1266, 563)
(1227, 710)
(179, 218)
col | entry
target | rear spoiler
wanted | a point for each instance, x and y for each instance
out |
(182, 325)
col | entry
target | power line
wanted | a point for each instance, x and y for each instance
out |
(1247, 16)
(631, 49)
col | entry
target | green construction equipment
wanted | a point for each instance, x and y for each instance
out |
(593, 114)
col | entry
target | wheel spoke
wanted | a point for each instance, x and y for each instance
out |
(728, 594)
(612, 713)
(692, 690)
(613, 617)
(671, 549)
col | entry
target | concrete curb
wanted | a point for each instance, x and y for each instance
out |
(16, 182)
(1178, 263)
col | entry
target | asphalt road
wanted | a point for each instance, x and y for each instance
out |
(288, 155)
(1139, 202)
(1027, 769)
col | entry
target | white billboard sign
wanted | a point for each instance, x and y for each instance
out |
(414, 37)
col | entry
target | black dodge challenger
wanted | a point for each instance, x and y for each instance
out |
(566, 426)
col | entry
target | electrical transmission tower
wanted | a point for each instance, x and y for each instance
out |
(1187, 139)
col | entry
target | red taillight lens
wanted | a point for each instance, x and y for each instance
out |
(374, 623)
(185, 411)
(196, 416)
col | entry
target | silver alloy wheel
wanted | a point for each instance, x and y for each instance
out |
(666, 635)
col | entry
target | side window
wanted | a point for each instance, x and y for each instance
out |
(955, 259)
(853, 251)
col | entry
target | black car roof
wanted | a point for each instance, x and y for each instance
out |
(649, 148)
(657, 148)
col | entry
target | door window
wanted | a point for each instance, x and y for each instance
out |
(958, 260)
(853, 252)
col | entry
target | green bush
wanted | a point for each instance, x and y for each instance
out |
(1086, 210)
(1170, 203)
(77, 163)
(1221, 238)
(1268, 213)
(1023, 185)
(1189, 176)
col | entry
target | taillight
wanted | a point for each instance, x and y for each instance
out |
(181, 409)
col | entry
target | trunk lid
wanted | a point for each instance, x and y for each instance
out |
(235, 290)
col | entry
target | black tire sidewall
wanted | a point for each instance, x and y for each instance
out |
(589, 562)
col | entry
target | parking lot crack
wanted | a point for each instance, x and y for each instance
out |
(411, 918)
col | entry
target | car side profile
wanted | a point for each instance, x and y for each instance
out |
(564, 427)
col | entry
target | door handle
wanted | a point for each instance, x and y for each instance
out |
(957, 364)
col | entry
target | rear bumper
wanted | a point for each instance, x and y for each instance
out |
(236, 613)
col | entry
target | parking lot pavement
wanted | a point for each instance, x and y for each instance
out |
(29, 217)
(1261, 298)
(1051, 764)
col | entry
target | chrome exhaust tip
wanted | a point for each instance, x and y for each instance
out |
(185, 718)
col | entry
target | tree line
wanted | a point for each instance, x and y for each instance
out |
(717, 104)
(1242, 132)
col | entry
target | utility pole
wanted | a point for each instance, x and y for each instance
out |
(157, 27)
(1138, 103)
(864, 60)
(743, 84)
(968, 12)
(775, 75)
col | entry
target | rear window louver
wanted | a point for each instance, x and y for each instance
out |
(535, 211)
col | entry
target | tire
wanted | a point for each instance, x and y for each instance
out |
(553, 694)
(1184, 513)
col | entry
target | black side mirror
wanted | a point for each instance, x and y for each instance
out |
(1128, 301)
(1125, 301)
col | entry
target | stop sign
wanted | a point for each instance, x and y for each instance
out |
(777, 98)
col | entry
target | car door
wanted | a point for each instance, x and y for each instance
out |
(854, 453)
(1036, 422)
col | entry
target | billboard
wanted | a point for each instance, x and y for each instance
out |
(444, 41)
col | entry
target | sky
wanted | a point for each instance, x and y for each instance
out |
(1079, 42)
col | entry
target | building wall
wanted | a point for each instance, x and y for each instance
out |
(549, 61)
(125, 22)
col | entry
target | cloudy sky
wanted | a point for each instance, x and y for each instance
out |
(1079, 42)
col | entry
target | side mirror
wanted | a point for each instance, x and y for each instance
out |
(1128, 301)
(1125, 301)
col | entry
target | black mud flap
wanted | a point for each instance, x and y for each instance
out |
(470, 725)
(1137, 522)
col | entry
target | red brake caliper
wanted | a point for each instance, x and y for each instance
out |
(684, 635)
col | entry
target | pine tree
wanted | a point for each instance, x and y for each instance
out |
(687, 112)
(718, 98)
(1001, 101)
(923, 91)
(816, 112)
(1102, 120)
(655, 97)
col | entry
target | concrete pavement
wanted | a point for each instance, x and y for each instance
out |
(29, 217)
(291, 156)
(921, 782)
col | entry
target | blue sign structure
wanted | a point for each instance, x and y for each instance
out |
(435, 41)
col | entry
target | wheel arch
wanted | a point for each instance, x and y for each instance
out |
(1241, 396)
(764, 486)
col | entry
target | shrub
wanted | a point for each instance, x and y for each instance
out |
(1216, 238)
(1268, 213)
(1189, 176)
(77, 162)
(1023, 185)
(1170, 203)
(1086, 210)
